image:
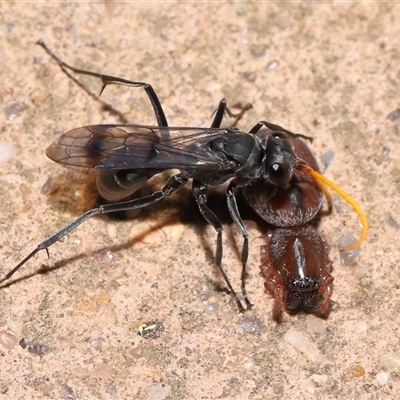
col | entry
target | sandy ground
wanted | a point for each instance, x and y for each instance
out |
(331, 71)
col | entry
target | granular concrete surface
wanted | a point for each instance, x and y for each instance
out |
(134, 308)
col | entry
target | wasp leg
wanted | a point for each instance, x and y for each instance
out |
(237, 219)
(173, 185)
(277, 128)
(219, 114)
(223, 109)
(200, 193)
(110, 80)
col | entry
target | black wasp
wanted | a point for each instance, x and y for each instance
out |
(128, 155)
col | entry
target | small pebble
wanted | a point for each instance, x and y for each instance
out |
(104, 257)
(359, 272)
(385, 152)
(13, 326)
(7, 150)
(310, 390)
(96, 342)
(344, 241)
(258, 51)
(158, 392)
(249, 364)
(67, 339)
(354, 372)
(390, 361)
(8, 340)
(38, 95)
(272, 65)
(382, 378)
(252, 324)
(103, 298)
(68, 392)
(138, 351)
(212, 308)
(213, 357)
(327, 158)
(111, 389)
(395, 114)
(80, 372)
(303, 344)
(103, 371)
(361, 327)
(278, 390)
(26, 315)
(319, 379)
(250, 76)
(15, 110)
(315, 325)
(393, 223)
(46, 186)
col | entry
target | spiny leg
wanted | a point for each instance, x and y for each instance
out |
(223, 109)
(277, 128)
(231, 200)
(173, 185)
(110, 80)
(219, 113)
(238, 116)
(200, 193)
(237, 219)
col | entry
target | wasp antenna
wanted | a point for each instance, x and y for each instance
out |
(321, 179)
(327, 195)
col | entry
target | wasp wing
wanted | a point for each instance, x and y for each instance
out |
(138, 146)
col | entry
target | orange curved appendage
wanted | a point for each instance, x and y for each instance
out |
(327, 195)
(322, 180)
